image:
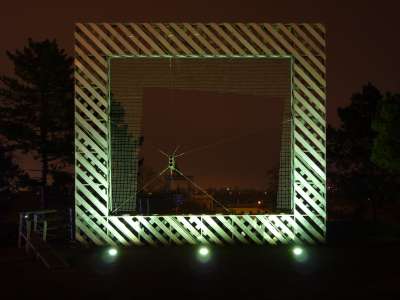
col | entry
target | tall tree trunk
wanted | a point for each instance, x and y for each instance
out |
(375, 210)
(45, 172)
(44, 150)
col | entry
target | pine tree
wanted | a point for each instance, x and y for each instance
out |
(37, 105)
(350, 147)
(386, 147)
(11, 176)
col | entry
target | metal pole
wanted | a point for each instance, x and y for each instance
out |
(20, 228)
(71, 225)
(28, 235)
(44, 230)
(35, 222)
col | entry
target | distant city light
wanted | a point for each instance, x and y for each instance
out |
(112, 252)
(203, 251)
(297, 251)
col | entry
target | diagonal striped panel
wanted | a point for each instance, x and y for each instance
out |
(96, 43)
(204, 229)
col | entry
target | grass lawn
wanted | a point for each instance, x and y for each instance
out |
(360, 261)
(323, 272)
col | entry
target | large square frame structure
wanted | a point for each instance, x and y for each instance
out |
(96, 43)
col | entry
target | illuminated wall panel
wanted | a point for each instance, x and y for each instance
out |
(97, 44)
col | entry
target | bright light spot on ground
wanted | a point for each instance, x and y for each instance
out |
(203, 254)
(112, 252)
(203, 251)
(297, 251)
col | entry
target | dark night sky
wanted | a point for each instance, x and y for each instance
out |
(363, 43)
(232, 144)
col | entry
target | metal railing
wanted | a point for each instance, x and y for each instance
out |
(33, 231)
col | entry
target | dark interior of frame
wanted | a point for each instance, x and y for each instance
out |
(200, 135)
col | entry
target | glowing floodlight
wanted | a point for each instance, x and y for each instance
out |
(112, 252)
(203, 251)
(297, 251)
(203, 254)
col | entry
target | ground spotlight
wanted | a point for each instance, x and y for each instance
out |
(300, 254)
(297, 251)
(203, 251)
(112, 252)
(203, 254)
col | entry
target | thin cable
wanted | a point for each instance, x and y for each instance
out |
(202, 190)
(176, 149)
(191, 151)
(222, 141)
(143, 188)
(163, 153)
(152, 180)
(171, 81)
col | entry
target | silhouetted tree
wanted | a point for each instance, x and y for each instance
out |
(37, 104)
(349, 150)
(11, 176)
(386, 147)
(272, 186)
(124, 165)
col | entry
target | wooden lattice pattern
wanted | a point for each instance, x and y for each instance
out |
(96, 43)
